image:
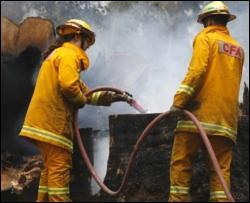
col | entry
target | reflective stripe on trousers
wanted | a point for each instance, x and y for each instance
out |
(218, 195)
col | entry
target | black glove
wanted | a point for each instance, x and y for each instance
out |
(176, 110)
(126, 97)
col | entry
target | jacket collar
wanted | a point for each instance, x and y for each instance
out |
(216, 28)
(80, 54)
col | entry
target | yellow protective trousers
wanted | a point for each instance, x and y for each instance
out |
(185, 148)
(55, 177)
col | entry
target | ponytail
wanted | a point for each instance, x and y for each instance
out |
(58, 43)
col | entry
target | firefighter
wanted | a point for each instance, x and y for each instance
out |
(210, 91)
(59, 91)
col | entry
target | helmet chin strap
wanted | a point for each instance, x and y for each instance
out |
(82, 43)
(207, 22)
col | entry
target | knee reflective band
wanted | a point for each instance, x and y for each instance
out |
(43, 189)
(58, 191)
(179, 190)
(140, 140)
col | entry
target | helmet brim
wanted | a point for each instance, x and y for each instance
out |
(60, 30)
(75, 30)
(202, 16)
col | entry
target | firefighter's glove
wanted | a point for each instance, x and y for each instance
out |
(176, 111)
(125, 97)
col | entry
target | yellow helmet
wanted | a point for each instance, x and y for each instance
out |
(215, 8)
(76, 26)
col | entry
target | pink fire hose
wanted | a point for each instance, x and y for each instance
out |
(139, 142)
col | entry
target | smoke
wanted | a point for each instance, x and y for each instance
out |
(101, 149)
(240, 30)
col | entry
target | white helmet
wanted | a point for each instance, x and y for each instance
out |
(76, 26)
(215, 8)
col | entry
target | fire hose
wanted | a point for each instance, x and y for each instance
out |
(139, 142)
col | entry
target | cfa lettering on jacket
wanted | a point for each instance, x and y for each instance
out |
(230, 49)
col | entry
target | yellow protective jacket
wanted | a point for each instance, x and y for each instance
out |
(59, 91)
(210, 89)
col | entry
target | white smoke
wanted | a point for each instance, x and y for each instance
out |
(240, 31)
(101, 149)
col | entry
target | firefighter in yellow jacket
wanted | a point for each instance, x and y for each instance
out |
(59, 91)
(210, 91)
